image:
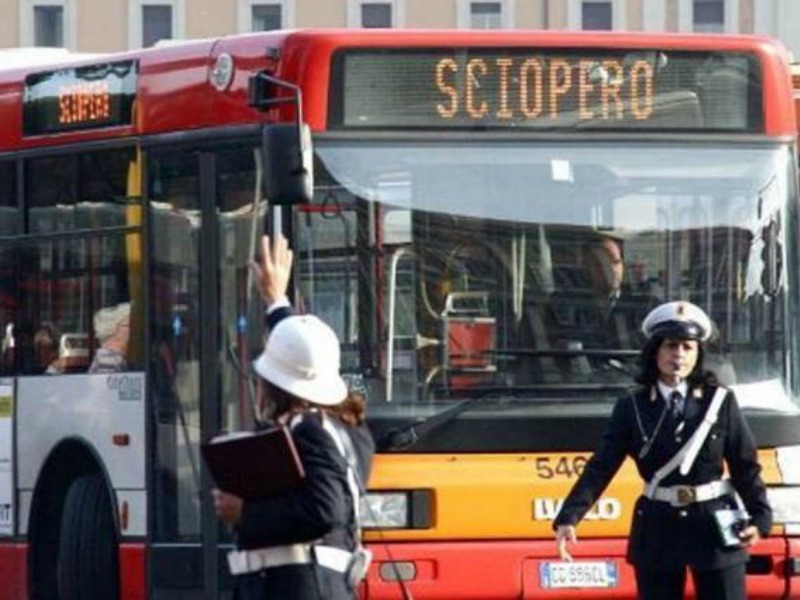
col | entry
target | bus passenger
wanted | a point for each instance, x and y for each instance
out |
(675, 520)
(112, 330)
(46, 341)
(304, 544)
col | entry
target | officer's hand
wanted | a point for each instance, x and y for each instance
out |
(749, 536)
(228, 507)
(564, 534)
(274, 268)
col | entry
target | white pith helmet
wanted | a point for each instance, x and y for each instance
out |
(302, 357)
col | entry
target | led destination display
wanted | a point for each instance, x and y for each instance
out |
(72, 99)
(546, 89)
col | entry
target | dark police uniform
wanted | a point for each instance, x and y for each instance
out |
(320, 512)
(666, 538)
(318, 519)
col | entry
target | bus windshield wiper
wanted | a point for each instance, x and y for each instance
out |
(404, 437)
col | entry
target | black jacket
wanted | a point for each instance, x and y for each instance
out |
(582, 316)
(663, 536)
(321, 509)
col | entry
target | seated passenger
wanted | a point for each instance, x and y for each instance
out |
(112, 329)
(45, 342)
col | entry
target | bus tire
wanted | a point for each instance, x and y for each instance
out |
(88, 547)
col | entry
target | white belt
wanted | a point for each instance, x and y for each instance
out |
(683, 495)
(252, 561)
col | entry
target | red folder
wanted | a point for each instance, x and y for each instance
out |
(254, 465)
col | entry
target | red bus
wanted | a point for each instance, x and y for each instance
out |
(459, 181)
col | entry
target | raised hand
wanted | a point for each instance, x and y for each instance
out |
(272, 271)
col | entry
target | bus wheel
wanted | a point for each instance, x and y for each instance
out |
(88, 549)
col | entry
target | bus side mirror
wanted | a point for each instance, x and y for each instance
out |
(287, 160)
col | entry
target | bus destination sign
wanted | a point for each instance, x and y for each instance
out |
(79, 98)
(552, 89)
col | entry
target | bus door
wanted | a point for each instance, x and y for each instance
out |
(205, 222)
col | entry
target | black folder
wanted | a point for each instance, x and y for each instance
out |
(254, 465)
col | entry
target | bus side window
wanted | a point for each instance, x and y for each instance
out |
(60, 283)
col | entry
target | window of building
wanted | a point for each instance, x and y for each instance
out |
(266, 17)
(376, 14)
(150, 21)
(48, 26)
(603, 15)
(708, 16)
(367, 14)
(47, 23)
(597, 16)
(486, 15)
(156, 23)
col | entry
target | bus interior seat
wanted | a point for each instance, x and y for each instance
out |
(721, 90)
(541, 364)
(73, 350)
(468, 339)
(680, 106)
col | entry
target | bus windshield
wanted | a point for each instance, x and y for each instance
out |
(523, 269)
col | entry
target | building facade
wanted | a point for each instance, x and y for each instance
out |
(110, 25)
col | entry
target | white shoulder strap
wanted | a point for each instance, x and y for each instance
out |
(686, 455)
(343, 445)
(696, 442)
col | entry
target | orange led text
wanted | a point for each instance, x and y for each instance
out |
(520, 88)
(85, 102)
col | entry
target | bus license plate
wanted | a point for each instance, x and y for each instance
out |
(600, 574)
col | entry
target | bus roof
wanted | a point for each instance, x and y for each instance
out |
(174, 91)
(26, 58)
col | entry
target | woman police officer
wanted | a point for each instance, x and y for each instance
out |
(674, 525)
(303, 545)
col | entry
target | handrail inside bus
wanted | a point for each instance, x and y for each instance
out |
(398, 254)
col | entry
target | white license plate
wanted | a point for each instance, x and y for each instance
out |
(599, 574)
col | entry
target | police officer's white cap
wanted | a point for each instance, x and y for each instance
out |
(302, 357)
(682, 320)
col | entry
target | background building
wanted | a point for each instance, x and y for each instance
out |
(108, 25)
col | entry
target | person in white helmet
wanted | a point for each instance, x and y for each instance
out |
(675, 524)
(305, 544)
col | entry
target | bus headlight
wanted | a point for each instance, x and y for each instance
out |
(785, 503)
(385, 510)
(397, 509)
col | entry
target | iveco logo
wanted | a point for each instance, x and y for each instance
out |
(606, 509)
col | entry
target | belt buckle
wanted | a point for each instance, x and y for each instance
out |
(686, 495)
